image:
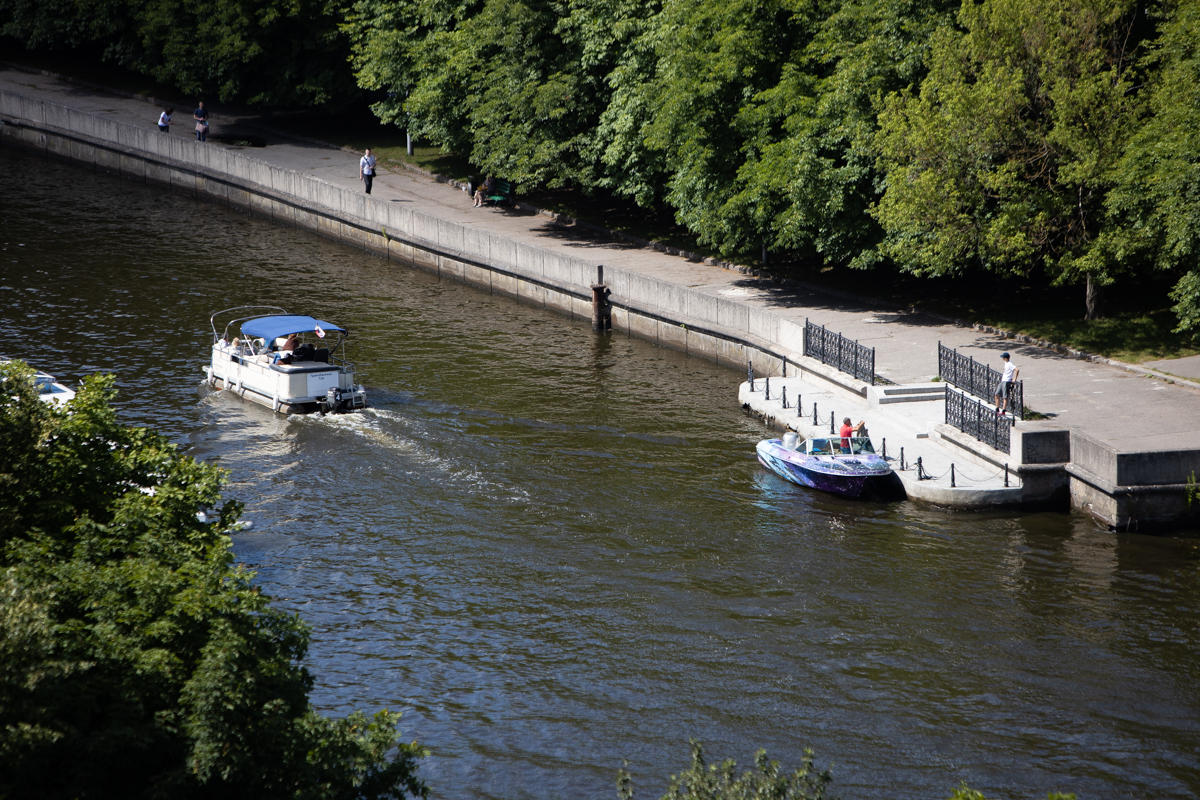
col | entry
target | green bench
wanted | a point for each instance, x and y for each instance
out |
(501, 193)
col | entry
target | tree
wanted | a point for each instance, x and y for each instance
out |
(721, 782)
(277, 52)
(1155, 205)
(139, 661)
(1004, 158)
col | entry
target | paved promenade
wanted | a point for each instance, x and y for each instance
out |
(1128, 411)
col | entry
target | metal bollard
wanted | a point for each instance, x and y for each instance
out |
(785, 397)
(902, 459)
(952, 486)
(1006, 476)
(750, 374)
(831, 428)
(767, 381)
(883, 455)
(814, 414)
(799, 405)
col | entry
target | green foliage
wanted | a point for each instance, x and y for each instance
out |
(279, 52)
(1004, 157)
(964, 792)
(1155, 205)
(721, 781)
(139, 661)
(1186, 295)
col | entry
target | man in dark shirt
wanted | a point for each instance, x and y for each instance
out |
(201, 117)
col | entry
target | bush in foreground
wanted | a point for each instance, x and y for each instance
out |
(139, 661)
(704, 781)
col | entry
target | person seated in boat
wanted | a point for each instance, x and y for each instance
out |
(290, 343)
(848, 431)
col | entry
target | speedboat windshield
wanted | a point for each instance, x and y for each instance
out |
(839, 446)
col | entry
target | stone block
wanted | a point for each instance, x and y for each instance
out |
(477, 276)
(132, 167)
(620, 320)
(303, 218)
(733, 316)
(237, 196)
(503, 251)
(559, 301)
(672, 335)
(642, 326)
(85, 154)
(425, 229)
(56, 116)
(400, 220)
(702, 345)
(476, 243)
(506, 284)
(452, 268)
(764, 325)
(1035, 446)
(400, 250)
(528, 260)
(107, 160)
(59, 146)
(531, 293)
(450, 236)
(731, 354)
(700, 306)
(580, 308)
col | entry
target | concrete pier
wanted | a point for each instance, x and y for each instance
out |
(1119, 442)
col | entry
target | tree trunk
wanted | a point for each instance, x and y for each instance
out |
(1095, 299)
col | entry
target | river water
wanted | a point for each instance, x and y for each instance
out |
(555, 552)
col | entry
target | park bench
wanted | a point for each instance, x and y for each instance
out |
(501, 193)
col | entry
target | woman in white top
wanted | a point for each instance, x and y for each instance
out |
(164, 120)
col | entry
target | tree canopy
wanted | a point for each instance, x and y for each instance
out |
(1053, 138)
(139, 661)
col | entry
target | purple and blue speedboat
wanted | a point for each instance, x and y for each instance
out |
(838, 465)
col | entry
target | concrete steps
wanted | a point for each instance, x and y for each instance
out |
(911, 393)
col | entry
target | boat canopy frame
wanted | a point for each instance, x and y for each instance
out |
(281, 312)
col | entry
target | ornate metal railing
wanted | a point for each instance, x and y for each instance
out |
(978, 379)
(982, 422)
(837, 351)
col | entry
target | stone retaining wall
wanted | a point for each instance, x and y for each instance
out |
(705, 325)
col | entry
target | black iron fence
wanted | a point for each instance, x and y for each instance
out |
(978, 379)
(982, 422)
(837, 351)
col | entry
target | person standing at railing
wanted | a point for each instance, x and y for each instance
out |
(1005, 387)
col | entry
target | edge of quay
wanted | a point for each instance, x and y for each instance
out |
(1052, 468)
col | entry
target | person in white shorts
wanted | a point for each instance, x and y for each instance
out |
(1004, 388)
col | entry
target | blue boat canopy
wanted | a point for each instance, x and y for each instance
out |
(273, 327)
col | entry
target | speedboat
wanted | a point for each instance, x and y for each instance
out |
(287, 362)
(50, 390)
(835, 464)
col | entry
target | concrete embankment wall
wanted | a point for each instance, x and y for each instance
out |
(705, 325)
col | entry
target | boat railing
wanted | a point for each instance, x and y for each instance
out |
(213, 319)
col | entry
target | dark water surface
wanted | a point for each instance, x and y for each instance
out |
(554, 552)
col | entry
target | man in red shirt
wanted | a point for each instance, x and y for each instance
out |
(849, 430)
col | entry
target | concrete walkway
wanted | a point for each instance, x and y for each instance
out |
(1130, 412)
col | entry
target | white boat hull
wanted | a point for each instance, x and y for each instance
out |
(302, 387)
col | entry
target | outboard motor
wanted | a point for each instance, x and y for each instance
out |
(333, 399)
(789, 440)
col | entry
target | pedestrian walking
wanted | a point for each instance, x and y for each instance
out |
(1004, 388)
(366, 169)
(164, 120)
(201, 117)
